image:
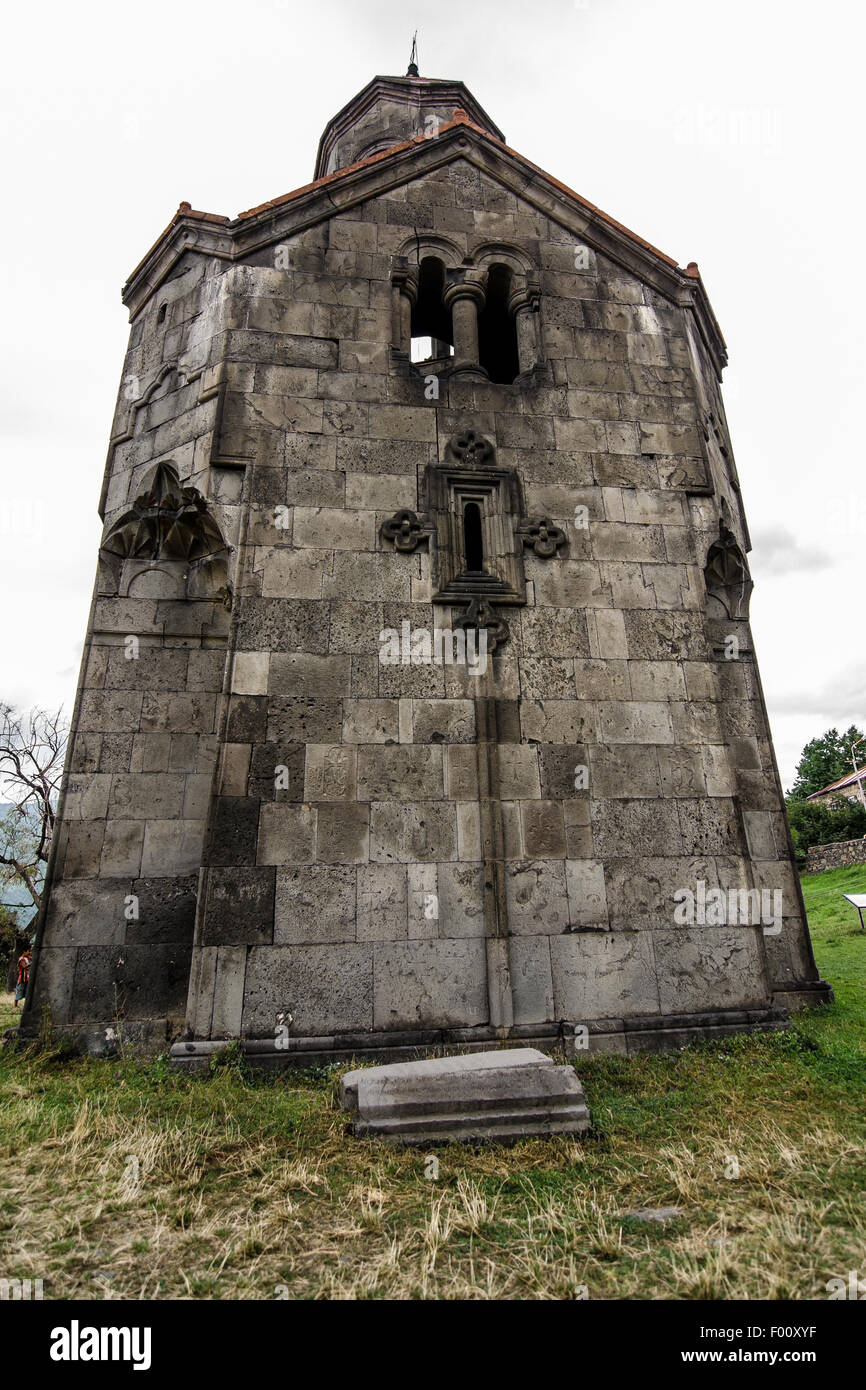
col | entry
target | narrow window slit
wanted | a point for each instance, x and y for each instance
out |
(473, 541)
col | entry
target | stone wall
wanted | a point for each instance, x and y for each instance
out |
(380, 849)
(835, 856)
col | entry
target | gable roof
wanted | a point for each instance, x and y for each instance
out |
(460, 119)
(460, 138)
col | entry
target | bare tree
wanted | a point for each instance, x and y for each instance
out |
(32, 750)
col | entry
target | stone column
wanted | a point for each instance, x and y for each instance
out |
(464, 296)
(404, 292)
(523, 304)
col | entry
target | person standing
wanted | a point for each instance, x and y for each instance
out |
(25, 960)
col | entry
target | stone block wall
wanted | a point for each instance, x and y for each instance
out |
(117, 933)
(392, 848)
(610, 666)
(839, 855)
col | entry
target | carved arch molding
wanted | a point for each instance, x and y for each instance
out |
(729, 583)
(471, 475)
(170, 535)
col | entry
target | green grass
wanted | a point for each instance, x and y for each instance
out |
(250, 1188)
(9, 1015)
(839, 941)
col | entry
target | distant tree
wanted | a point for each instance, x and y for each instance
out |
(32, 749)
(820, 823)
(825, 760)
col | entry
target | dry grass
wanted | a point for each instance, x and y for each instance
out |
(121, 1181)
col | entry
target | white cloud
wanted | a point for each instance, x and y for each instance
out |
(777, 551)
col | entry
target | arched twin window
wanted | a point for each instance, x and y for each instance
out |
(432, 330)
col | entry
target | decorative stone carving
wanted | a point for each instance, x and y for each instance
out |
(170, 525)
(406, 530)
(469, 477)
(451, 486)
(540, 535)
(729, 584)
(167, 521)
(140, 398)
(470, 448)
(480, 615)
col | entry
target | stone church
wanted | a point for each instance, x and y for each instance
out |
(419, 705)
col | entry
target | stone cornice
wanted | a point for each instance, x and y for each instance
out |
(204, 232)
(292, 213)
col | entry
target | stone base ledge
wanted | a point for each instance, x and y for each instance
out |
(656, 1033)
(145, 1037)
(796, 998)
(624, 1036)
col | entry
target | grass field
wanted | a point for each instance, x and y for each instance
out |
(125, 1180)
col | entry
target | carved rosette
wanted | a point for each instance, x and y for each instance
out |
(470, 449)
(478, 615)
(540, 534)
(406, 530)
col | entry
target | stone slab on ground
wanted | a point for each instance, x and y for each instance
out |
(501, 1095)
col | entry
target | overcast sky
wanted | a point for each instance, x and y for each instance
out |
(730, 134)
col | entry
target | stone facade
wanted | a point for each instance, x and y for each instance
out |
(839, 855)
(271, 830)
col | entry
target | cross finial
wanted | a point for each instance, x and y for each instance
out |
(412, 70)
